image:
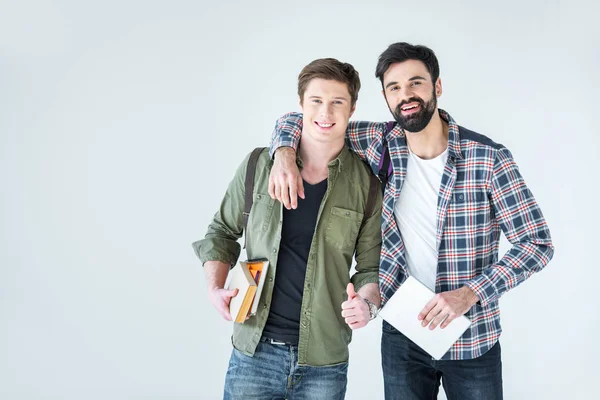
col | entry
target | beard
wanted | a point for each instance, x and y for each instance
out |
(418, 121)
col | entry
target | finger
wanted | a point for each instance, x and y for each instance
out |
(284, 196)
(272, 187)
(351, 312)
(350, 291)
(358, 324)
(230, 293)
(431, 315)
(438, 318)
(300, 185)
(293, 195)
(451, 317)
(356, 319)
(224, 311)
(428, 307)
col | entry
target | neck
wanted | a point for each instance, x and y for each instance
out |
(431, 141)
(316, 157)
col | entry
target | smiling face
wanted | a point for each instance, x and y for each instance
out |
(327, 107)
(410, 94)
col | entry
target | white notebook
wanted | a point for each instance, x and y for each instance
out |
(402, 309)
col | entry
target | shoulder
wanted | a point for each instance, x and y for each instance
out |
(468, 136)
(263, 163)
(358, 172)
(474, 144)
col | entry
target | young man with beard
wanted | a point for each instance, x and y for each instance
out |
(450, 193)
(297, 344)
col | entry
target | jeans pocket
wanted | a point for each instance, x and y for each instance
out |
(386, 327)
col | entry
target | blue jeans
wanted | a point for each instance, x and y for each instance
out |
(410, 373)
(273, 373)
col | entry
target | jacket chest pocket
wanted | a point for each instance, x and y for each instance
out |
(343, 227)
(261, 212)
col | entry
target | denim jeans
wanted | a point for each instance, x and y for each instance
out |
(410, 373)
(273, 373)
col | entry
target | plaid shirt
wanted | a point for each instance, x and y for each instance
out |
(481, 192)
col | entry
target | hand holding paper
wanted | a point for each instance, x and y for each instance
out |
(401, 312)
(446, 307)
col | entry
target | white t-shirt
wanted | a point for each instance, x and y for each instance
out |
(416, 215)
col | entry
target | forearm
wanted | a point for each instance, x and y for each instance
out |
(286, 133)
(216, 274)
(523, 224)
(518, 264)
(285, 153)
(370, 291)
(368, 252)
(220, 242)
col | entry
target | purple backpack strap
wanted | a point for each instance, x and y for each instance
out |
(385, 166)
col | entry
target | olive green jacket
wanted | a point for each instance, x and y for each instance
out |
(340, 233)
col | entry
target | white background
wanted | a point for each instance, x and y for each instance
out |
(122, 122)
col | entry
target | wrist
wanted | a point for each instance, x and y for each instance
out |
(373, 309)
(470, 295)
(214, 288)
(284, 150)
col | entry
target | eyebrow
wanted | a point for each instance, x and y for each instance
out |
(319, 97)
(414, 78)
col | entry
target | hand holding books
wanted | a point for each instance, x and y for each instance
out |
(220, 299)
(248, 279)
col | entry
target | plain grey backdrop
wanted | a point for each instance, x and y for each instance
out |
(122, 122)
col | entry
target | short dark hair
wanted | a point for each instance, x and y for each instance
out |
(330, 68)
(402, 51)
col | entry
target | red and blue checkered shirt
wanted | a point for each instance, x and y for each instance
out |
(481, 193)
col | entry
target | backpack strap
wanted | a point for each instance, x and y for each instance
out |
(249, 185)
(371, 199)
(385, 166)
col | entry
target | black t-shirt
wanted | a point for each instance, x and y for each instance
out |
(298, 229)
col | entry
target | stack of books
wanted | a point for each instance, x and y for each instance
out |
(249, 278)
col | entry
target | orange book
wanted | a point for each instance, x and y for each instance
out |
(258, 269)
(242, 280)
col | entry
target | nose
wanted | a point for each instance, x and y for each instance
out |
(326, 110)
(406, 93)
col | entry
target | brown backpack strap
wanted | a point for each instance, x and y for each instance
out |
(373, 181)
(249, 185)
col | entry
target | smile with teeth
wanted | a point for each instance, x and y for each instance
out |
(410, 107)
(324, 125)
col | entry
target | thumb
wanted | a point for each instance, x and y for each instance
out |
(350, 290)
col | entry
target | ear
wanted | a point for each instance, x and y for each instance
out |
(438, 87)
(301, 107)
(352, 111)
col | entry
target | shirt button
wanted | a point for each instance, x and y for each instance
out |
(265, 306)
(274, 250)
(270, 279)
(461, 196)
(258, 196)
(347, 214)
